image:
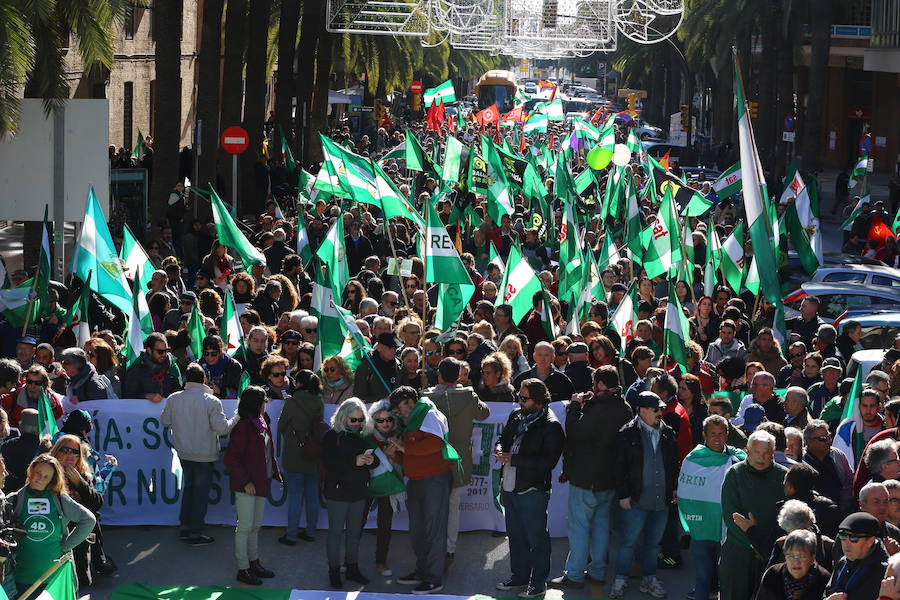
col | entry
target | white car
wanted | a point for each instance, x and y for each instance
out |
(863, 274)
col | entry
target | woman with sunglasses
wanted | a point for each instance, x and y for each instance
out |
(43, 505)
(274, 371)
(301, 413)
(354, 292)
(385, 429)
(223, 373)
(79, 482)
(348, 459)
(251, 463)
(289, 349)
(337, 380)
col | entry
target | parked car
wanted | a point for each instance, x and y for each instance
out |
(867, 274)
(865, 360)
(879, 329)
(792, 274)
(835, 298)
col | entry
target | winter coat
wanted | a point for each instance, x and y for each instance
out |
(772, 585)
(14, 403)
(629, 460)
(299, 413)
(197, 419)
(368, 386)
(146, 376)
(541, 447)
(344, 480)
(246, 458)
(462, 407)
(88, 385)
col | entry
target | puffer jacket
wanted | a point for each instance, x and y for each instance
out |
(541, 447)
(197, 419)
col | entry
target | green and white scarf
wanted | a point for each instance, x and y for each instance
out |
(700, 491)
(426, 417)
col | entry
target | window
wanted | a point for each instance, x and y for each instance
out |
(129, 21)
(882, 280)
(128, 114)
(852, 276)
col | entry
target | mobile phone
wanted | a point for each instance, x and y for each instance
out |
(369, 451)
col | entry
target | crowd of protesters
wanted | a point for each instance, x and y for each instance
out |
(732, 458)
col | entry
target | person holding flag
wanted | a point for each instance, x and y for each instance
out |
(35, 391)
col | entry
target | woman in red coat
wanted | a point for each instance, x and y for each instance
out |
(250, 459)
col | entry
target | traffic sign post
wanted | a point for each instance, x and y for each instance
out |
(234, 141)
(866, 145)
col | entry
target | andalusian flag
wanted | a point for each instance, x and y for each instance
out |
(304, 250)
(230, 235)
(729, 182)
(553, 110)
(451, 302)
(848, 437)
(547, 320)
(753, 185)
(61, 584)
(857, 210)
(452, 160)
(196, 332)
(499, 198)
(40, 291)
(230, 326)
(138, 150)
(859, 171)
(495, 258)
(95, 260)
(135, 259)
(571, 253)
(330, 336)
(442, 262)
(700, 491)
(802, 219)
(711, 264)
(625, 318)
(46, 420)
(331, 251)
(536, 123)
(443, 92)
(391, 201)
(633, 221)
(520, 282)
(134, 340)
(677, 331)
(660, 240)
(733, 258)
(289, 163)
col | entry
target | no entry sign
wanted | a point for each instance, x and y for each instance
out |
(416, 87)
(235, 140)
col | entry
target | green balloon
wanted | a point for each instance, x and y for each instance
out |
(599, 157)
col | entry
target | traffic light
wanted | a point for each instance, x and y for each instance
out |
(631, 102)
(753, 109)
(378, 112)
(685, 116)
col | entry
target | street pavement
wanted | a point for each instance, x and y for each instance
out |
(156, 556)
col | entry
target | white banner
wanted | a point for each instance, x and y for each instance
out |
(146, 489)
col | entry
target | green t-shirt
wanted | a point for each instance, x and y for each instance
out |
(43, 542)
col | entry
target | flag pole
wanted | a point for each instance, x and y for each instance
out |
(387, 231)
(64, 559)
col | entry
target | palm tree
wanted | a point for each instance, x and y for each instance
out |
(287, 45)
(209, 65)
(310, 27)
(820, 32)
(31, 50)
(255, 97)
(319, 106)
(167, 17)
(233, 73)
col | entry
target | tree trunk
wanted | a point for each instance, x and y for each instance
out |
(166, 105)
(767, 94)
(725, 118)
(233, 77)
(310, 29)
(658, 85)
(318, 120)
(820, 32)
(284, 83)
(786, 106)
(253, 199)
(209, 70)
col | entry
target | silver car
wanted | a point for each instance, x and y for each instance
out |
(863, 274)
(835, 298)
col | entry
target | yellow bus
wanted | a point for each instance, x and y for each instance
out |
(496, 87)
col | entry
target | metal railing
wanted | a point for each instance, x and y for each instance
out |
(885, 24)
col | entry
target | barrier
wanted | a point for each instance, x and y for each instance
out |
(146, 490)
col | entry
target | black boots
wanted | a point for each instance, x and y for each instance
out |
(260, 571)
(353, 574)
(334, 577)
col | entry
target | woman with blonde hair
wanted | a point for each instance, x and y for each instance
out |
(512, 347)
(496, 374)
(337, 380)
(103, 357)
(289, 300)
(485, 329)
(43, 505)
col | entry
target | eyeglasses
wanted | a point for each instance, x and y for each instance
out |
(822, 438)
(385, 420)
(357, 419)
(211, 353)
(797, 556)
(330, 369)
(432, 352)
(70, 450)
(160, 350)
(522, 399)
(278, 374)
(852, 537)
(34, 381)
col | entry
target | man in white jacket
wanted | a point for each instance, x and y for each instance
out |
(197, 419)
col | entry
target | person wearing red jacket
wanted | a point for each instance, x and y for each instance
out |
(676, 417)
(27, 395)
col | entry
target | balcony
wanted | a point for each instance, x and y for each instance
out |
(883, 53)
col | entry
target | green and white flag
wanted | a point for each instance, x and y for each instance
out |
(499, 199)
(536, 123)
(711, 264)
(333, 254)
(495, 258)
(729, 182)
(40, 300)
(139, 314)
(230, 327)
(660, 240)
(676, 334)
(289, 163)
(859, 171)
(751, 280)
(230, 235)
(547, 320)
(138, 149)
(60, 585)
(625, 317)
(452, 160)
(857, 210)
(392, 202)
(733, 258)
(438, 93)
(609, 254)
(95, 254)
(304, 250)
(398, 152)
(135, 259)
(802, 220)
(633, 221)
(442, 261)
(451, 302)
(753, 185)
(520, 282)
(700, 491)
(571, 254)
(330, 338)
(197, 332)
(46, 421)
(553, 110)
(585, 130)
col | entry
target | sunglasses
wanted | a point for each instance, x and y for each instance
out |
(160, 350)
(385, 420)
(432, 352)
(357, 419)
(68, 450)
(330, 369)
(278, 374)
(211, 353)
(852, 537)
(522, 399)
(822, 438)
(34, 381)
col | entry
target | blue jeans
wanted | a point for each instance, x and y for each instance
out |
(635, 522)
(529, 540)
(197, 478)
(303, 488)
(588, 532)
(705, 555)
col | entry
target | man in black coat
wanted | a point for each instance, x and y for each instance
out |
(646, 474)
(579, 370)
(858, 574)
(18, 452)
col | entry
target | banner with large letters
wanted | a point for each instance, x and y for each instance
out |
(146, 489)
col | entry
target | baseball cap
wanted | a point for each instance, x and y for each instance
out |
(577, 348)
(389, 339)
(753, 416)
(832, 363)
(649, 400)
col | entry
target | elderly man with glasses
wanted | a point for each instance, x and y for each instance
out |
(835, 474)
(858, 574)
(762, 392)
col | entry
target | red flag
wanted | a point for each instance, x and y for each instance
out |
(550, 143)
(878, 230)
(553, 93)
(522, 144)
(513, 116)
(489, 115)
(664, 161)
